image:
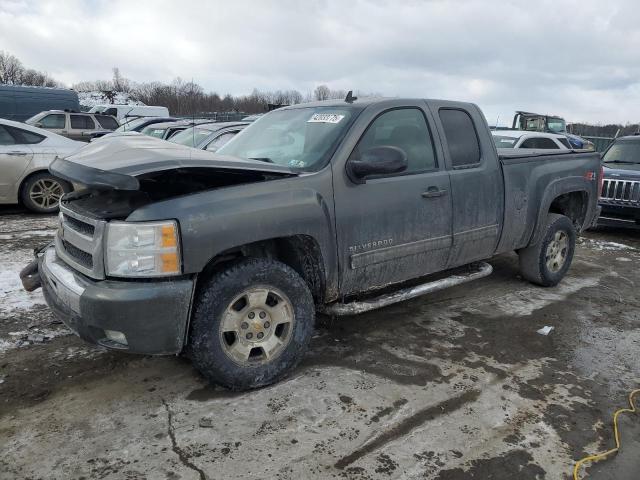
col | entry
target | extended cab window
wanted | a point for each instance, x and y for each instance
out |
(82, 122)
(542, 143)
(462, 138)
(53, 121)
(405, 129)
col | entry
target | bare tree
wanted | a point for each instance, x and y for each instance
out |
(322, 92)
(10, 68)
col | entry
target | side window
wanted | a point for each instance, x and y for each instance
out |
(462, 139)
(55, 120)
(540, 143)
(220, 141)
(25, 137)
(5, 137)
(107, 122)
(82, 122)
(405, 128)
(565, 142)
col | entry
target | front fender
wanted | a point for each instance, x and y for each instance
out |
(215, 221)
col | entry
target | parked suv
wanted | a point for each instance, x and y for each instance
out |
(74, 125)
(620, 194)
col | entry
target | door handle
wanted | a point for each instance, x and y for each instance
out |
(17, 154)
(433, 192)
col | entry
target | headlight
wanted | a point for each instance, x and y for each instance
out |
(149, 249)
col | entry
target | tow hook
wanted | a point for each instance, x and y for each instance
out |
(30, 276)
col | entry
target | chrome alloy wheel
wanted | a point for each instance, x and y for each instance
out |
(46, 193)
(556, 254)
(257, 326)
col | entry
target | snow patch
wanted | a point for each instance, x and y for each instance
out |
(602, 245)
(91, 99)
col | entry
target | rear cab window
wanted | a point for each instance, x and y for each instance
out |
(107, 122)
(461, 136)
(542, 143)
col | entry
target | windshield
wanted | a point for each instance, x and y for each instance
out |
(504, 142)
(300, 138)
(191, 136)
(130, 125)
(153, 131)
(556, 124)
(623, 152)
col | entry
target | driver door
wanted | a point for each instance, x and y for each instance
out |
(394, 227)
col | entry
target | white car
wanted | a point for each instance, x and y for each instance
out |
(25, 155)
(530, 140)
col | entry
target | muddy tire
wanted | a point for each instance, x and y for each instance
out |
(251, 325)
(547, 262)
(41, 192)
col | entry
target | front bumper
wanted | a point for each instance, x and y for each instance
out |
(152, 315)
(619, 215)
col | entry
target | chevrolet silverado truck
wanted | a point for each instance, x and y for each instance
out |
(337, 206)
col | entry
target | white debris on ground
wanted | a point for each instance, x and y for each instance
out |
(91, 99)
(602, 245)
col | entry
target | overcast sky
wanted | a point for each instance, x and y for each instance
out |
(579, 59)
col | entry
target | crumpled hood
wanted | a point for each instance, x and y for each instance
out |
(114, 163)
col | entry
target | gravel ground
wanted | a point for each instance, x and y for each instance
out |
(455, 385)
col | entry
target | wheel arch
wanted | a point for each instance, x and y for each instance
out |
(300, 252)
(568, 199)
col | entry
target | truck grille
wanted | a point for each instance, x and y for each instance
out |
(79, 242)
(621, 192)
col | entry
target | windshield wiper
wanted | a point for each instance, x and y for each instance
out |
(262, 159)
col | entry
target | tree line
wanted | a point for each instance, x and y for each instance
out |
(183, 97)
(13, 72)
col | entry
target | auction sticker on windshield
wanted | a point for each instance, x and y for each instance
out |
(325, 118)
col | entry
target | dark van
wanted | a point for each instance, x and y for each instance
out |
(19, 103)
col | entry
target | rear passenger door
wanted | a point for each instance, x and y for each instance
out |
(80, 126)
(15, 156)
(477, 187)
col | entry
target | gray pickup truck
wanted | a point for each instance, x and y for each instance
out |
(338, 206)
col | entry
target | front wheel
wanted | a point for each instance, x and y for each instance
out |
(251, 325)
(41, 193)
(547, 262)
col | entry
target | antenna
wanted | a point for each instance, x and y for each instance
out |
(350, 98)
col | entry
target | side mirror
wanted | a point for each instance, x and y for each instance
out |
(382, 160)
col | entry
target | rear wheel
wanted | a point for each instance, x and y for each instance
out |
(251, 324)
(547, 262)
(42, 192)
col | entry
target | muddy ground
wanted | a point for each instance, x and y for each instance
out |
(455, 385)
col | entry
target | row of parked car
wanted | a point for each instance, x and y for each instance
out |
(27, 149)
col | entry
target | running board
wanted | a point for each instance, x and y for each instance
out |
(479, 270)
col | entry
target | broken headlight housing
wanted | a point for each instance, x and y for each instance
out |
(149, 249)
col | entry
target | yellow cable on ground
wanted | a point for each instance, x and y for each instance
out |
(600, 456)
